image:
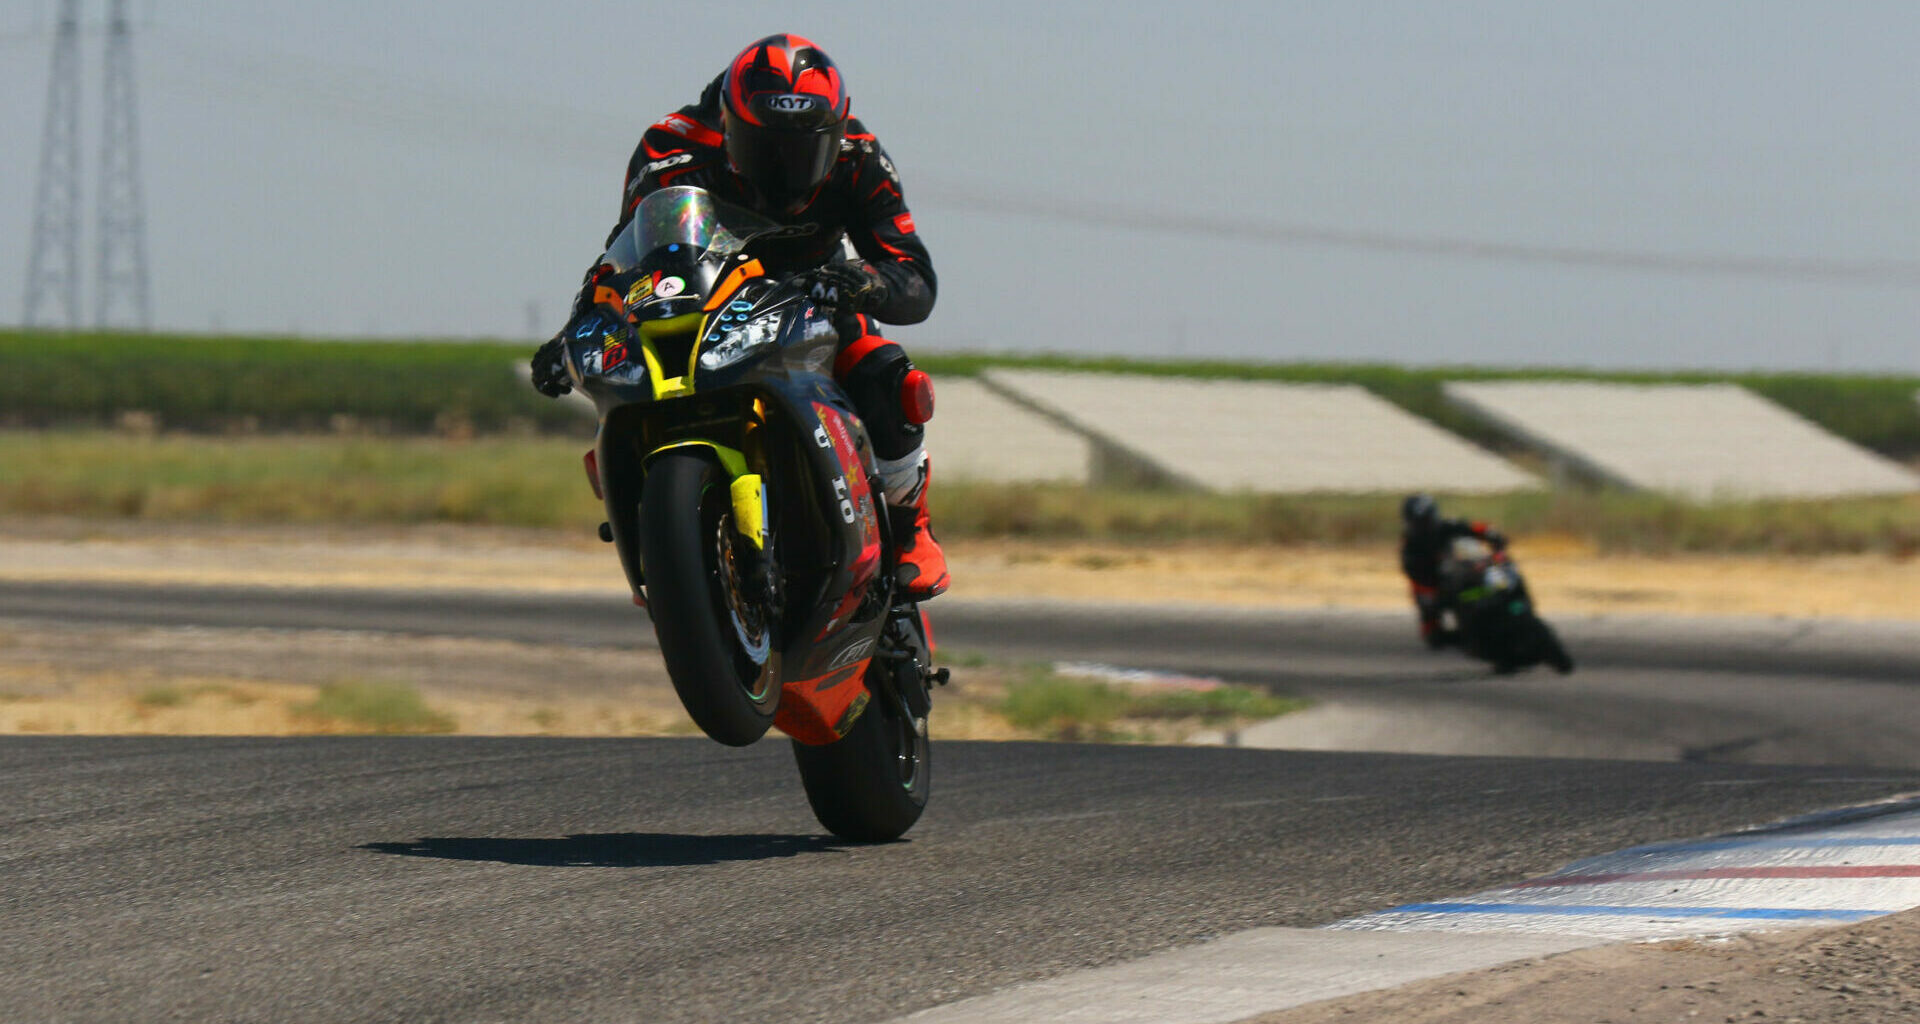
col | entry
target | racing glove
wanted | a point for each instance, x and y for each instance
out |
(848, 287)
(550, 368)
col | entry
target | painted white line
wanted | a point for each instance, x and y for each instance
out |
(1245, 974)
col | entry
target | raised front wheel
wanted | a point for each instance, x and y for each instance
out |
(715, 634)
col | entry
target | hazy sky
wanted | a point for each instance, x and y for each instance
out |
(1263, 180)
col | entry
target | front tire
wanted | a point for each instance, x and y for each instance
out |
(715, 639)
(871, 785)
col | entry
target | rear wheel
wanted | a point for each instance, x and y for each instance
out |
(871, 785)
(715, 635)
(1552, 651)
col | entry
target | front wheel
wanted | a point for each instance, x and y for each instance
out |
(715, 636)
(870, 785)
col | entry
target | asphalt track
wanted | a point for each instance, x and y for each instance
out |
(541, 879)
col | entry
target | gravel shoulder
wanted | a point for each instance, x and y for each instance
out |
(1566, 577)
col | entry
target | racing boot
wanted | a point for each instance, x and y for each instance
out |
(923, 566)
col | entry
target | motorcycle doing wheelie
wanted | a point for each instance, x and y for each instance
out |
(742, 499)
(1482, 591)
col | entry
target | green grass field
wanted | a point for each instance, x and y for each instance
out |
(538, 482)
(229, 384)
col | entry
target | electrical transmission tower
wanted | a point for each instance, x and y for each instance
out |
(53, 268)
(121, 273)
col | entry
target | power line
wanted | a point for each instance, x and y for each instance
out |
(1876, 273)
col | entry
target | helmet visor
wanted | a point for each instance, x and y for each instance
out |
(782, 165)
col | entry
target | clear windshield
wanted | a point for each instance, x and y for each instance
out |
(682, 215)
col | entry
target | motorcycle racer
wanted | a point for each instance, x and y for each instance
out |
(1425, 540)
(772, 133)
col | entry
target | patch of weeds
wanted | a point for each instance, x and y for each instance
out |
(544, 718)
(1063, 708)
(1216, 706)
(156, 697)
(1097, 562)
(375, 707)
(961, 659)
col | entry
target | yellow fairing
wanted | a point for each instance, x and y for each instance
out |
(665, 387)
(750, 509)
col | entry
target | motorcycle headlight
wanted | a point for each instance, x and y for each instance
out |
(733, 337)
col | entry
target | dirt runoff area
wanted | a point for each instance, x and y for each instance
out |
(1566, 576)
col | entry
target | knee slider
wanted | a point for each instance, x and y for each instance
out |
(893, 399)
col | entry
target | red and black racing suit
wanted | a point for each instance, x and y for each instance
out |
(1421, 552)
(860, 200)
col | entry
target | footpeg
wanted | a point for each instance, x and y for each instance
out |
(937, 677)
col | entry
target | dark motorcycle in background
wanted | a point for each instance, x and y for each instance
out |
(741, 497)
(1485, 598)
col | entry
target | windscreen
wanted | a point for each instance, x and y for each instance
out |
(681, 215)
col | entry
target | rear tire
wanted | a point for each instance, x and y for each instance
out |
(716, 641)
(871, 785)
(1555, 654)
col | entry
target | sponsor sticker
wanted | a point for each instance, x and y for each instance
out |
(790, 102)
(668, 287)
(853, 652)
(904, 223)
(660, 165)
(640, 290)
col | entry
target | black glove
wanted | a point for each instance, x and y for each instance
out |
(847, 287)
(550, 369)
(1495, 539)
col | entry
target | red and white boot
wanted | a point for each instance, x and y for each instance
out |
(923, 566)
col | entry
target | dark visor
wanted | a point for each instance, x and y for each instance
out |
(781, 165)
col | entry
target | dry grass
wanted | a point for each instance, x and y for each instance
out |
(108, 681)
(537, 482)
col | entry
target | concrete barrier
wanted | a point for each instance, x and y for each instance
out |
(1266, 437)
(1702, 442)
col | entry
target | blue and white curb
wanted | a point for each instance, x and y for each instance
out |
(1823, 870)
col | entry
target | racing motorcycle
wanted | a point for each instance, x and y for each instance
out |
(1482, 591)
(742, 498)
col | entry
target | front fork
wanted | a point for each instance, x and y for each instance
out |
(752, 518)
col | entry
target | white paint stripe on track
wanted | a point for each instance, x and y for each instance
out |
(1245, 974)
(1825, 869)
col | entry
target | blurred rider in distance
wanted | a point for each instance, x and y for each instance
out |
(773, 134)
(1425, 541)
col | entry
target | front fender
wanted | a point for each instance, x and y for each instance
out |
(747, 491)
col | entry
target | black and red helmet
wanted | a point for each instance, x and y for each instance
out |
(785, 114)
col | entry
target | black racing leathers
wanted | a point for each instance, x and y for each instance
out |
(859, 200)
(1421, 551)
